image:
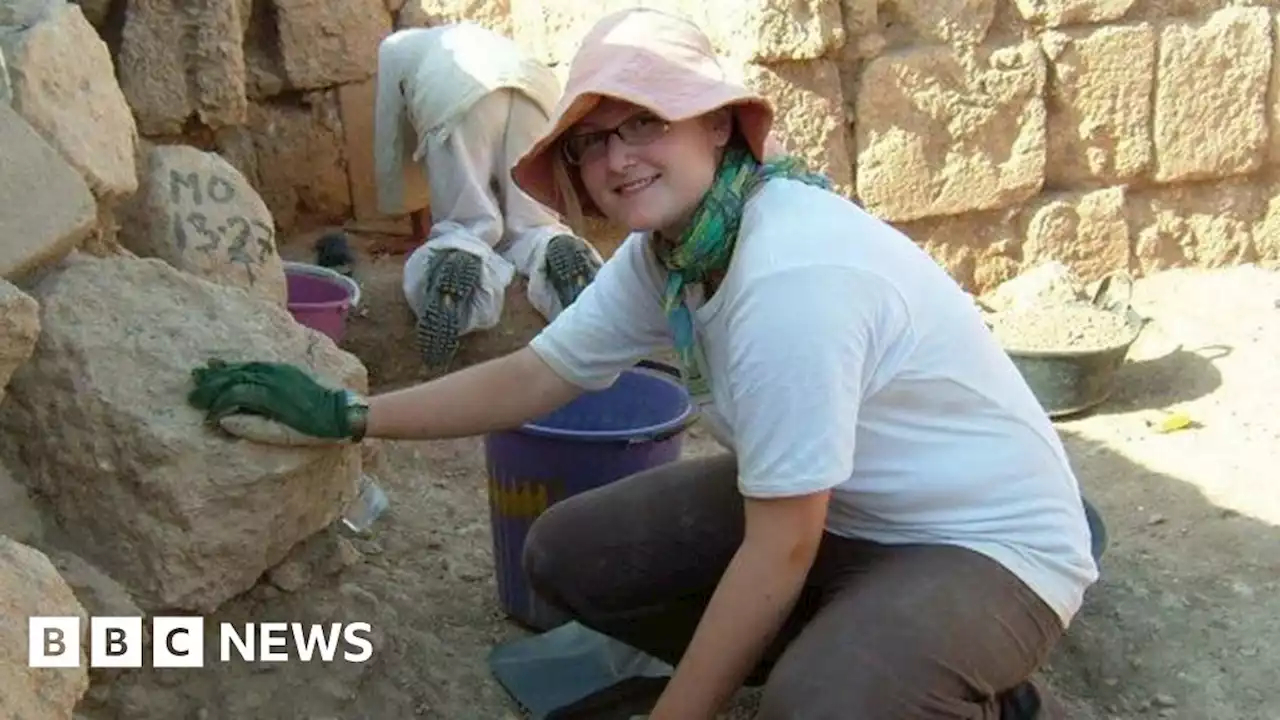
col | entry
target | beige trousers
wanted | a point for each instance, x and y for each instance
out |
(476, 207)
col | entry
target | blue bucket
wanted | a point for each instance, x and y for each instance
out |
(636, 424)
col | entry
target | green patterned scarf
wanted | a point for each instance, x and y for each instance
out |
(707, 245)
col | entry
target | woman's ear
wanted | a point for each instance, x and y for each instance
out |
(720, 124)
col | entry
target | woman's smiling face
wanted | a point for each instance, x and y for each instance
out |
(641, 171)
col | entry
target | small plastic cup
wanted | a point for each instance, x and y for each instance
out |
(368, 506)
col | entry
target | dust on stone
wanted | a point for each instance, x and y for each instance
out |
(1074, 327)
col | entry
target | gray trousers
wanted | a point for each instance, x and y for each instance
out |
(879, 633)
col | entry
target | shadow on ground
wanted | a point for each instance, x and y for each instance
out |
(1175, 376)
(1188, 599)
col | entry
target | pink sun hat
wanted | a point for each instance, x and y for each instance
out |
(658, 61)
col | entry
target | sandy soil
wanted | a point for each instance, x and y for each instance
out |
(1184, 624)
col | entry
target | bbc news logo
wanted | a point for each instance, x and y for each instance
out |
(179, 642)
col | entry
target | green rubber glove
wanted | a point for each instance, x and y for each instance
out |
(276, 391)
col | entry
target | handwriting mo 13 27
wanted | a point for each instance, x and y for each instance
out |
(179, 641)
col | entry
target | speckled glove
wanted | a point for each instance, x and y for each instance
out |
(277, 392)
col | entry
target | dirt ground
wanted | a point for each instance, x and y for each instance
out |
(1184, 623)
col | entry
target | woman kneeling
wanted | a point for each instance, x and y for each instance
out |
(894, 530)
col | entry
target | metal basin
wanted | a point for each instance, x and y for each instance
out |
(1067, 382)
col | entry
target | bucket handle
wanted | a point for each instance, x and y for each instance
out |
(1102, 297)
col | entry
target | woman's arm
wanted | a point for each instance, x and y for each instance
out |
(754, 597)
(495, 395)
(801, 344)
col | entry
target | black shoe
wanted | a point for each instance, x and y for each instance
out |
(1029, 700)
(452, 280)
(570, 267)
(333, 251)
(1022, 702)
(1097, 530)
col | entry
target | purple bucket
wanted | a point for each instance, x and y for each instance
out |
(319, 301)
(602, 436)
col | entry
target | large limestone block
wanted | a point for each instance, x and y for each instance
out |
(1273, 109)
(263, 64)
(45, 205)
(180, 61)
(1087, 232)
(30, 585)
(182, 515)
(20, 518)
(493, 14)
(19, 329)
(978, 250)
(778, 30)
(198, 213)
(1211, 225)
(960, 22)
(761, 31)
(95, 11)
(1210, 100)
(810, 114)
(1266, 233)
(1053, 13)
(942, 132)
(356, 102)
(63, 83)
(330, 42)
(1099, 104)
(293, 153)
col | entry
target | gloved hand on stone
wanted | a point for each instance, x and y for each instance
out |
(232, 394)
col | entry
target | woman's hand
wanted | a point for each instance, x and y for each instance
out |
(756, 593)
(275, 391)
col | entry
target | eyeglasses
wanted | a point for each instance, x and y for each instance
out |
(636, 131)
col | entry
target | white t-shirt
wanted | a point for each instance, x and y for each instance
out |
(843, 357)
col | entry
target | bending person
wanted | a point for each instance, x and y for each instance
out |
(464, 103)
(894, 529)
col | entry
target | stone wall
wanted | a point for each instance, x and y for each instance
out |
(1136, 134)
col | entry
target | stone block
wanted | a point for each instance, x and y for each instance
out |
(493, 14)
(325, 43)
(1266, 234)
(1053, 13)
(1099, 104)
(1208, 225)
(1087, 232)
(19, 330)
(978, 250)
(24, 13)
(810, 114)
(20, 517)
(761, 31)
(356, 102)
(942, 132)
(180, 61)
(46, 207)
(95, 11)
(198, 213)
(777, 30)
(263, 64)
(63, 83)
(1210, 100)
(30, 585)
(182, 515)
(956, 22)
(292, 152)
(1273, 108)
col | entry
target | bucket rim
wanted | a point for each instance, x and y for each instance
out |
(334, 277)
(646, 433)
